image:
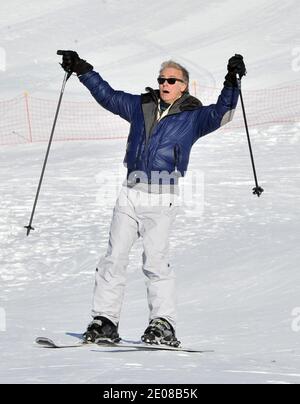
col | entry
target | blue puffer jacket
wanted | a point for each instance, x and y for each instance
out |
(164, 145)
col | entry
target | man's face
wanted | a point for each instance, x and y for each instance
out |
(171, 92)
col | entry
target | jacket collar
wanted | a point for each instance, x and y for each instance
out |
(185, 103)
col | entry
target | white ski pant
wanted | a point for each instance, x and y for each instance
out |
(150, 216)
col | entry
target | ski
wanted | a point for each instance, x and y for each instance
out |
(134, 345)
(49, 343)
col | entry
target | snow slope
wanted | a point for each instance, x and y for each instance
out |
(237, 259)
(127, 41)
(237, 266)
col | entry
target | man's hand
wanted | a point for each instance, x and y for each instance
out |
(235, 66)
(71, 63)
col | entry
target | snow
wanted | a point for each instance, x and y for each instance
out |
(236, 258)
(127, 41)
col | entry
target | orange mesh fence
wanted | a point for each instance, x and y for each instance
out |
(263, 107)
(28, 119)
(13, 122)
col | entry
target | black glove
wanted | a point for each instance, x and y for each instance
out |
(235, 66)
(71, 62)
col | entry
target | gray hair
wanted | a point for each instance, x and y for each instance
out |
(175, 65)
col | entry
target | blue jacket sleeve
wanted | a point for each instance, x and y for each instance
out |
(212, 117)
(117, 102)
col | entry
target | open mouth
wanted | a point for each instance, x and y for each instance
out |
(166, 92)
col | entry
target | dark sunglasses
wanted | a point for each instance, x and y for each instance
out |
(171, 80)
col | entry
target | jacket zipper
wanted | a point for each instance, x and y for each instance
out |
(155, 122)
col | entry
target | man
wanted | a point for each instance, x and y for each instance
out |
(164, 125)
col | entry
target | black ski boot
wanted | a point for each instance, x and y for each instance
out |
(160, 331)
(101, 330)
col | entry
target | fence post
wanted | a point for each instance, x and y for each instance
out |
(28, 116)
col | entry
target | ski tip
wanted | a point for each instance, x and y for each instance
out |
(46, 342)
(40, 340)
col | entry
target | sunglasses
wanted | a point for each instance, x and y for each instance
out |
(171, 80)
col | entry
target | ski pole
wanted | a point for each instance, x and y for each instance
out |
(29, 227)
(257, 190)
